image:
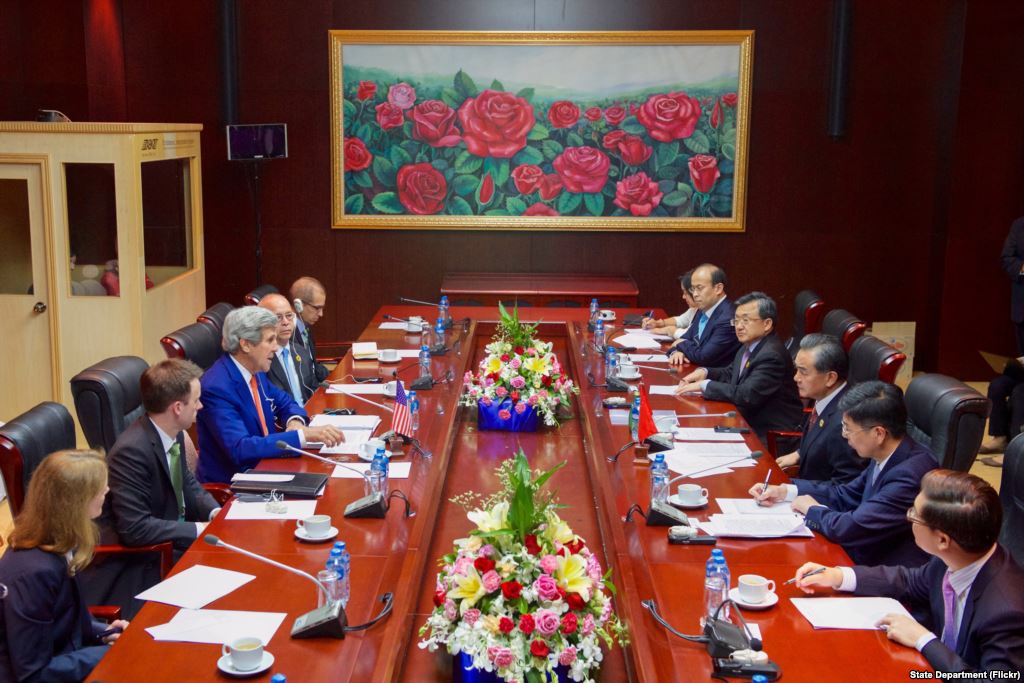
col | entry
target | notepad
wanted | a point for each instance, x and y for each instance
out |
(648, 357)
(847, 613)
(662, 389)
(391, 326)
(364, 350)
(296, 509)
(196, 587)
(637, 341)
(217, 626)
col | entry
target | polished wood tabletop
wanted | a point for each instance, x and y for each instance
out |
(399, 555)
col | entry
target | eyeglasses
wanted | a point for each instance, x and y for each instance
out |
(913, 518)
(318, 309)
(697, 289)
(281, 317)
(846, 431)
(743, 322)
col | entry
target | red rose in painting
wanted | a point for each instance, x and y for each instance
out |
(634, 151)
(716, 115)
(540, 209)
(563, 114)
(611, 140)
(433, 122)
(615, 114)
(703, 172)
(729, 99)
(495, 124)
(366, 90)
(582, 169)
(487, 190)
(637, 194)
(389, 116)
(402, 95)
(526, 177)
(633, 109)
(593, 114)
(357, 157)
(539, 648)
(669, 117)
(421, 188)
(550, 185)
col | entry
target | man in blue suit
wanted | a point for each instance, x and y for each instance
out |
(244, 415)
(867, 516)
(967, 602)
(823, 454)
(710, 341)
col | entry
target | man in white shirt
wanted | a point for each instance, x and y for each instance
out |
(676, 326)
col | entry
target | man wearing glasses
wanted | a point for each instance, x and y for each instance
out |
(309, 298)
(867, 515)
(292, 367)
(759, 380)
(709, 341)
(967, 598)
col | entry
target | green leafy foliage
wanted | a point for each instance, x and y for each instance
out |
(387, 202)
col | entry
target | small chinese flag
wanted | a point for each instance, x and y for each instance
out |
(647, 426)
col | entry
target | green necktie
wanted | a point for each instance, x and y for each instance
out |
(176, 483)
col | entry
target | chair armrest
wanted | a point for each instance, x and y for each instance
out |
(221, 493)
(165, 549)
(107, 613)
(773, 440)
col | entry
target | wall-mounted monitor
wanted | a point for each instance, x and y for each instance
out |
(257, 141)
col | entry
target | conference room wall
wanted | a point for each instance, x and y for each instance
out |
(867, 220)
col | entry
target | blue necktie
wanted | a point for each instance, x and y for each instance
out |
(289, 371)
(702, 322)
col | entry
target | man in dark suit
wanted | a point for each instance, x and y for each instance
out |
(823, 455)
(1013, 264)
(759, 380)
(292, 368)
(709, 341)
(967, 601)
(244, 415)
(866, 516)
(309, 298)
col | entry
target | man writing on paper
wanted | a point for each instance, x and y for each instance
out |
(759, 380)
(967, 598)
(709, 341)
(244, 415)
(866, 515)
(823, 455)
(676, 326)
(309, 298)
(292, 368)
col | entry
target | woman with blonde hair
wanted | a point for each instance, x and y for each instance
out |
(46, 634)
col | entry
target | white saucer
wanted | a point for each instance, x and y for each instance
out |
(770, 600)
(224, 664)
(300, 533)
(369, 458)
(630, 378)
(674, 500)
(380, 358)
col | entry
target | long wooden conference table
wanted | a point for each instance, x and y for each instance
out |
(399, 555)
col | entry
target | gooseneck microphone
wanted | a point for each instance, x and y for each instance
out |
(284, 446)
(409, 441)
(417, 301)
(731, 413)
(754, 455)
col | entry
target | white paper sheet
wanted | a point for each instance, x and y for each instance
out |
(391, 326)
(662, 389)
(350, 446)
(365, 388)
(266, 478)
(619, 417)
(647, 333)
(847, 613)
(396, 470)
(637, 341)
(196, 587)
(364, 350)
(406, 353)
(731, 450)
(345, 421)
(756, 526)
(648, 357)
(297, 509)
(749, 506)
(705, 434)
(217, 626)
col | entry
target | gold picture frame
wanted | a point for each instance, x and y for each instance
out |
(595, 131)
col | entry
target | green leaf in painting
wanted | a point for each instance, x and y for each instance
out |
(529, 155)
(499, 170)
(451, 98)
(362, 179)
(666, 186)
(465, 184)
(729, 150)
(668, 172)
(399, 157)
(594, 202)
(464, 85)
(457, 206)
(354, 204)
(721, 204)
(698, 143)
(569, 202)
(467, 163)
(727, 166)
(667, 153)
(526, 94)
(496, 85)
(384, 170)
(515, 206)
(539, 132)
(574, 140)
(632, 126)
(387, 202)
(349, 112)
(675, 199)
(551, 149)
(439, 164)
(496, 212)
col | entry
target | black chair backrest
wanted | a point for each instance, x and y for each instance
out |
(214, 315)
(253, 297)
(198, 342)
(947, 416)
(1011, 494)
(26, 440)
(805, 299)
(108, 398)
(868, 357)
(844, 326)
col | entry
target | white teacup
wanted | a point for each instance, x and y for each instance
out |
(391, 389)
(414, 327)
(368, 448)
(606, 314)
(754, 589)
(629, 372)
(246, 653)
(389, 355)
(691, 494)
(666, 423)
(315, 525)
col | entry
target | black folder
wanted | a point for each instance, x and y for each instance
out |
(304, 484)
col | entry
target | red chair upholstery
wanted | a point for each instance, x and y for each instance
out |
(871, 358)
(809, 309)
(844, 326)
(198, 342)
(214, 315)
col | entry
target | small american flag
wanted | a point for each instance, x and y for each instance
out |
(401, 419)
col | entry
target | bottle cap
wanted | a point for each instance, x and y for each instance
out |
(280, 678)
(425, 348)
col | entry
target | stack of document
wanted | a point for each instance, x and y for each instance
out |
(391, 326)
(646, 333)
(367, 350)
(196, 587)
(756, 526)
(847, 613)
(356, 470)
(296, 509)
(637, 341)
(363, 388)
(696, 464)
(705, 434)
(355, 428)
(217, 626)
(643, 358)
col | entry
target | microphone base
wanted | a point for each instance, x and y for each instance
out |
(657, 443)
(372, 506)
(661, 514)
(422, 383)
(328, 621)
(616, 384)
(438, 350)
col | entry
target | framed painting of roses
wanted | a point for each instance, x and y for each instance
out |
(641, 131)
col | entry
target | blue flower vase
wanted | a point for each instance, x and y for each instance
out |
(463, 672)
(488, 418)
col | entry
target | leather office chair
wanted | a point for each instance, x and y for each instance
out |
(1011, 494)
(214, 315)
(253, 297)
(808, 310)
(844, 326)
(948, 417)
(871, 358)
(198, 342)
(108, 398)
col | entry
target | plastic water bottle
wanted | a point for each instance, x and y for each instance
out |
(610, 356)
(612, 370)
(424, 361)
(599, 340)
(344, 569)
(714, 591)
(439, 335)
(592, 321)
(634, 419)
(414, 410)
(379, 472)
(328, 578)
(715, 553)
(723, 569)
(442, 312)
(758, 678)
(659, 478)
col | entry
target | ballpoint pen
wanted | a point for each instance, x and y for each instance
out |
(764, 486)
(813, 572)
